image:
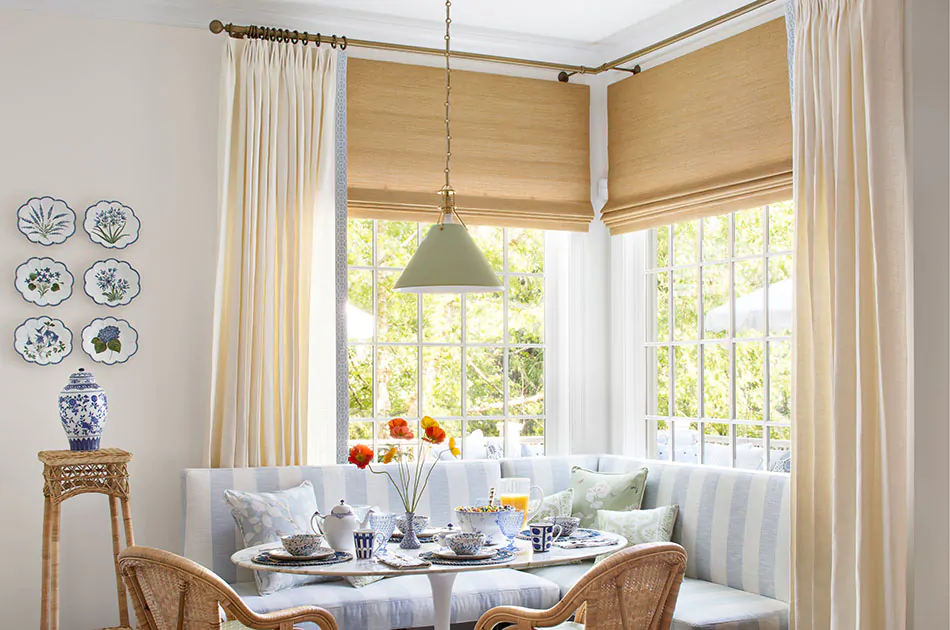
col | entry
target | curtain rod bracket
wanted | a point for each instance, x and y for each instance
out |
(634, 70)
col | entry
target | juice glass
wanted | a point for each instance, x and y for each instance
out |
(517, 492)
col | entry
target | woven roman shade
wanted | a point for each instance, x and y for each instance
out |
(707, 133)
(520, 150)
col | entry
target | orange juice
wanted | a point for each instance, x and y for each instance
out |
(517, 501)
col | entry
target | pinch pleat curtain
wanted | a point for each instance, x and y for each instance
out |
(274, 310)
(852, 274)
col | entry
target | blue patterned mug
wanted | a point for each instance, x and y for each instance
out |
(364, 543)
(542, 535)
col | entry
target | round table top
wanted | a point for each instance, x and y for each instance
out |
(525, 558)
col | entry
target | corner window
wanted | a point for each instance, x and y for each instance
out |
(719, 346)
(473, 362)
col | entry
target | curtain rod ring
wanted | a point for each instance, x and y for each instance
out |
(319, 40)
(344, 44)
(333, 43)
(306, 38)
(296, 37)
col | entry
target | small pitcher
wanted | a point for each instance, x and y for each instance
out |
(517, 492)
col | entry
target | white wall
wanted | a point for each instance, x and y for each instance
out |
(92, 110)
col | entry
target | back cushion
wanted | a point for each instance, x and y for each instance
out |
(734, 524)
(210, 536)
(551, 474)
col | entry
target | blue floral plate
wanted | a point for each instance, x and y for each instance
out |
(501, 556)
(266, 558)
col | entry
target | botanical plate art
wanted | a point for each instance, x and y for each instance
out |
(43, 281)
(111, 282)
(111, 224)
(43, 340)
(110, 340)
(46, 220)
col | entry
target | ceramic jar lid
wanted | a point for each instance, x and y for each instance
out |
(81, 381)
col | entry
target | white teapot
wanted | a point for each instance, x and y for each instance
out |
(338, 526)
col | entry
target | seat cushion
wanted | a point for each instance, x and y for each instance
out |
(711, 606)
(406, 601)
(564, 575)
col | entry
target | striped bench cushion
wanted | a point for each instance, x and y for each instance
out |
(734, 524)
(551, 474)
(210, 537)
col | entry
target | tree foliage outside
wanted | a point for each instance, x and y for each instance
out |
(704, 262)
(451, 357)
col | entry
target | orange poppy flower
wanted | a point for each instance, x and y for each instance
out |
(361, 455)
(399, 430)
(434, 434)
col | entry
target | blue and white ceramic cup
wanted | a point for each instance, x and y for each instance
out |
(364, 540)
(543, 534)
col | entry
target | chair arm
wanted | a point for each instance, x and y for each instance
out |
(284, 619)
(523, 618)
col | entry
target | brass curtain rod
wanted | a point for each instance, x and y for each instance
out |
(566, 70)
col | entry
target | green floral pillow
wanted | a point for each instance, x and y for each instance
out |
(557, 504)
(639, 526)
(595, 491)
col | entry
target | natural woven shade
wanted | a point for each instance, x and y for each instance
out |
(520, 152)
(704, 134)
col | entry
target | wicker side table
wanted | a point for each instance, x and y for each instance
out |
(67, 474)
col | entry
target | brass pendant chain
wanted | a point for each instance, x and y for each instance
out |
(447, 192)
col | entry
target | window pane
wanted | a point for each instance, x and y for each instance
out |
(780, 448)
(531, 439)
(442, 381)
(685, 304)
(453, 429)
(749, 231)
(685, 242)
(360, 367)
(526, 381)
(396, 370)
(716, 381)
(781, 226)
(441, 318)
(525, 309)
(780, 295)
(662, 236)
(359, 242)
(662, 380)
(717, 315)
(750, 447)
(485, 381)
(750, 299)
(384, 439)
(685, 443)
(716, 237)
(525, 251)
(750, 396)
(717, 445)
(490, 242)
(685, 372)
(397, 315)
(484, 317)
(396, 242)
(361, 432)
(662, 440)
(661, 280)
(359, 316)
(483, 440)
(780, 381)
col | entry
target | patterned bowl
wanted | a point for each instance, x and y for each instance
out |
(419, 523)
(479, 520)
(465, 543)
(301, 544)
(569, 524)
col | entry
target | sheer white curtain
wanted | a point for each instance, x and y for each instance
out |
(852, 270)
(275, 312)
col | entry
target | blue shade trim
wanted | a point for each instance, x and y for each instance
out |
(342, 376)
(790, 33)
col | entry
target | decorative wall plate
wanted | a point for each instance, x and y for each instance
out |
(111, 282)
(43, 281)
(43, 340)
(110, 340)
(111, 224)
(46, 220)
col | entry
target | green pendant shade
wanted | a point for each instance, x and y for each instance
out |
(448, 261)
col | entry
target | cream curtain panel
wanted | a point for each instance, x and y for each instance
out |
(851, 371)
(275, 311)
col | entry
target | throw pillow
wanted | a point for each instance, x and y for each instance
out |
(261, 515)
(639, 526)
(595, 491)
(557, 504)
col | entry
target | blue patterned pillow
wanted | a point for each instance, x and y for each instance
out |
(261, 515)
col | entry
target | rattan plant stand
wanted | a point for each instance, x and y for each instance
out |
(67, 474)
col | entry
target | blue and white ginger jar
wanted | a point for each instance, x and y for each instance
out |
(83, 408)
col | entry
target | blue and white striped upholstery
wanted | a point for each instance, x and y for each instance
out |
(406, 601)
(551, 474)
(734, 524)
(709, 606)
(209, 534)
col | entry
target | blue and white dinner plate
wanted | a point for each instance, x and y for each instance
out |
(501, 556)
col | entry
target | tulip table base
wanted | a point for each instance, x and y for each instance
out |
(441, 584)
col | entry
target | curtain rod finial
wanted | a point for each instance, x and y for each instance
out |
(216, 26)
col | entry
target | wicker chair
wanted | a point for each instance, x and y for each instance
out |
(174, 593)
(634, 589)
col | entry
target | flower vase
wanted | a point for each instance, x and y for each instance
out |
(82, 410)
(409, 538)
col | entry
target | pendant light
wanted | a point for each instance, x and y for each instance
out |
(448, 260)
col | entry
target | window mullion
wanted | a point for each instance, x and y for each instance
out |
(701, 368)
(670, 357)
(732, 335)
(767, 346)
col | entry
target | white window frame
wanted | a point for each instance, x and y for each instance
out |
(505, 417)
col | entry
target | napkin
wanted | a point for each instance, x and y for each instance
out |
(587, 542)
(398, 561)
